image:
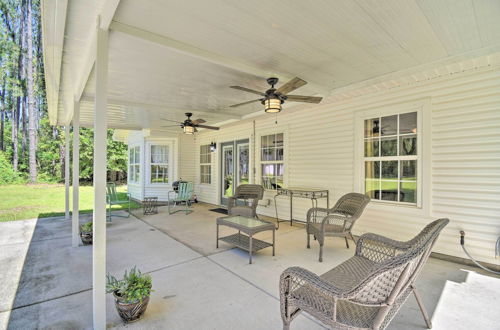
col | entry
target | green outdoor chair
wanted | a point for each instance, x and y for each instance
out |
(182, 196)
(112, 198)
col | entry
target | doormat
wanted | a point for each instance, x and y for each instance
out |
(219, 210)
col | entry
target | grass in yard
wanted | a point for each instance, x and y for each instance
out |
(46, 200)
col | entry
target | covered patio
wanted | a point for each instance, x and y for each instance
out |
(196, 285)
(399, 101)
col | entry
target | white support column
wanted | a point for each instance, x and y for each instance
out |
(75, 239)
(100, 139)
(66, 169)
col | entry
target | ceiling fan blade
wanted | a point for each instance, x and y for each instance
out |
(291, 85)
(199, 121)
(302, 98)
(171, 126)
(175, 121)
(248, 90)
(240, 104)
(208, 127)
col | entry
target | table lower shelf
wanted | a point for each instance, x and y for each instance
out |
(243, 242)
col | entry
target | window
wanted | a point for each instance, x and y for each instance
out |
(134, 160)
(271, 159)
(205, 164)
(391, 158)
(159, 164)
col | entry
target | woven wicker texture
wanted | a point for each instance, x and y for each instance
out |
(367, 290)
(250, 194)
(337, 221)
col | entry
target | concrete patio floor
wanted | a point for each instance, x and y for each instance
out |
(46, 284)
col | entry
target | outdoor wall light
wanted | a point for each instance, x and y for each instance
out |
(213, 147)
(188, 129)
(272, 105)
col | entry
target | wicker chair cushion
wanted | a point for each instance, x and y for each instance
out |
(349, 314)
(350, 273)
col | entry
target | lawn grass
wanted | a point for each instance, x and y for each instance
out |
(19, 202)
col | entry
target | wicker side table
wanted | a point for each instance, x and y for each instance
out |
(249, 226)
(150, 205)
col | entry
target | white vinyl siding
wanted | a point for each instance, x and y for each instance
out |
(462, 135)
(205, 164)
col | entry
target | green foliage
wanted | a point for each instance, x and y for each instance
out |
(86, 227)
(7, 174)
(134, 286)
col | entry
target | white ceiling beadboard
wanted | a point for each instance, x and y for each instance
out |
(184, 55)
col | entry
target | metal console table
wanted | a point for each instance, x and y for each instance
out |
(310, 193)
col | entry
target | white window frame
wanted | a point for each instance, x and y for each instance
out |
(261, 162)
(149, 163)
(422, 108)
(209, 164)
(136, 164)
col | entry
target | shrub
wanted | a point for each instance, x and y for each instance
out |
(7, 174)
(134, 287)
(86, 227)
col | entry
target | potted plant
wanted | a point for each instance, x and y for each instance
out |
(86, 233)
(131, 294)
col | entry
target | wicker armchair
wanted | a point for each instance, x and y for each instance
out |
(337, 221)
(367, 290)
(250, 194)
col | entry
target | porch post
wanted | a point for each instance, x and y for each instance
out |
(66, 170)
(100, 139)
(76, 175)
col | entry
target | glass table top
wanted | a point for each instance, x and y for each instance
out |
(244, 221)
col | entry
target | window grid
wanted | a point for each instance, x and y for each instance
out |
(134, 164)
(205, 164)
(403, 186)
(159, 163)
(272, 161)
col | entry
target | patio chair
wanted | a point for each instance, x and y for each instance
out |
(182, 196)
(367, 290)
(249, 194)
(112, 198)
(337, 221)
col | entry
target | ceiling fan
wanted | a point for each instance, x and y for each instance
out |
(273, 98)
(189, 126)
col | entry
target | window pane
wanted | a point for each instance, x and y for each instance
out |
(268, 154)
(408, 145)
(389, 190)
(408, 123)
(159, 154)
(279, 154)
(372, 127)
(279, 140)
(136, 173)
(372, 148)
(390, 169)
(409, 170)
(280, 169)
(372, 188)
(372, 170)
(264, 142)
(279, 182)
(389, 125)
(408, 192)
(389, 147)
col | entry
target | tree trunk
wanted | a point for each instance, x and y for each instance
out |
(24, 131)
(15, 127)
(2, 118)
(31, 99)
(62, 157)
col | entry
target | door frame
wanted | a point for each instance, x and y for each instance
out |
(221, 200)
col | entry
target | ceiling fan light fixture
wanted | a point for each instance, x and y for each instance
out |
(272, 105)
(188, 129)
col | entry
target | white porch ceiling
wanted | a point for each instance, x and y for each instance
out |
(186, 54)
